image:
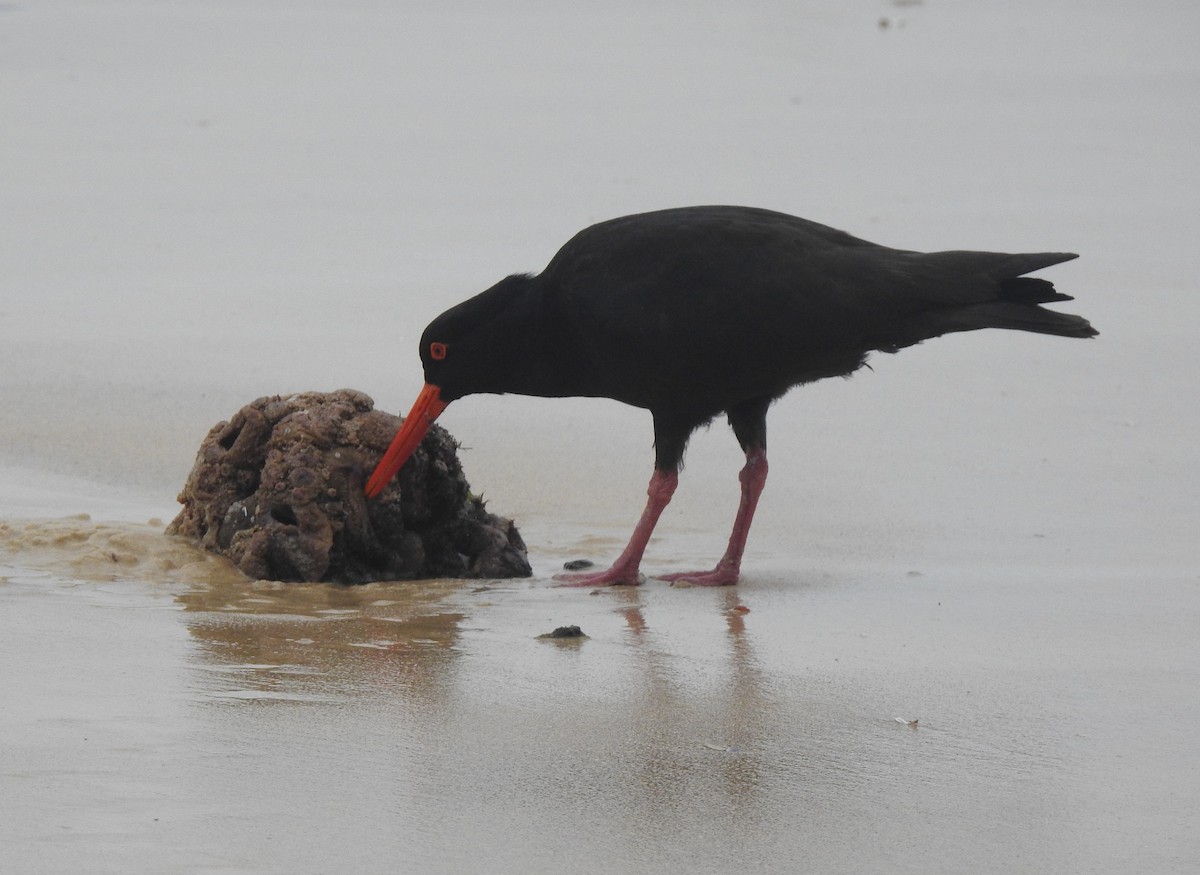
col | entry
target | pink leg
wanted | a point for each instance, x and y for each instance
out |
(625, 569)
(753, 477)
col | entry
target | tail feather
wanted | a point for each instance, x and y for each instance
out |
(1029, 290)
(1005, 265)
(1000, 297)
(1021, 316)
(1020, 296)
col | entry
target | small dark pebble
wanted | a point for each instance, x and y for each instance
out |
(565, 632)
(578, 564)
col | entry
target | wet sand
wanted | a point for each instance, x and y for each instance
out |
(992, 535)
(161, 708)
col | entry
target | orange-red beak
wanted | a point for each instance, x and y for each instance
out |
(424, 411)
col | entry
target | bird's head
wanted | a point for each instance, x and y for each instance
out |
(466, 350)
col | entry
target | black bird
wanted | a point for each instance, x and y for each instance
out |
(697, 311)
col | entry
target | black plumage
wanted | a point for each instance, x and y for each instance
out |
(698, 311)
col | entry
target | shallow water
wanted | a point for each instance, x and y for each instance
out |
(166, 710)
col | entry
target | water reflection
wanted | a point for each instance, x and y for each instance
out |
(704, 715)
(694, 730)
(317, 641)
(672, 700)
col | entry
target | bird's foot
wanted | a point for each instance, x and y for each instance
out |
(615, 576)
(722, 575)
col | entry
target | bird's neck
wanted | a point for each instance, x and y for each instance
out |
(530, 351)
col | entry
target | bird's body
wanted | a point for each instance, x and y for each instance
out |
(698, 311)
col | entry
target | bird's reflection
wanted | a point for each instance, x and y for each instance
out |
(684, 711)
(721, 727)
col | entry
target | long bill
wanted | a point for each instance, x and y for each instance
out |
(425, 410)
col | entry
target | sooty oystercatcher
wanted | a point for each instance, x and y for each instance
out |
(698, 311)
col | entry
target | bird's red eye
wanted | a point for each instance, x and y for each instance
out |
(437, 351)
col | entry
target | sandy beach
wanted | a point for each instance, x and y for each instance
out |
(965, 639)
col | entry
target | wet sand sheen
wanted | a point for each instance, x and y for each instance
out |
(693, 728)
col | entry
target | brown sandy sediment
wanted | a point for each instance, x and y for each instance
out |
(82, 549)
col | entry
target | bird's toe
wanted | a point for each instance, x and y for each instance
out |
(611, 577)
(719, 576)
